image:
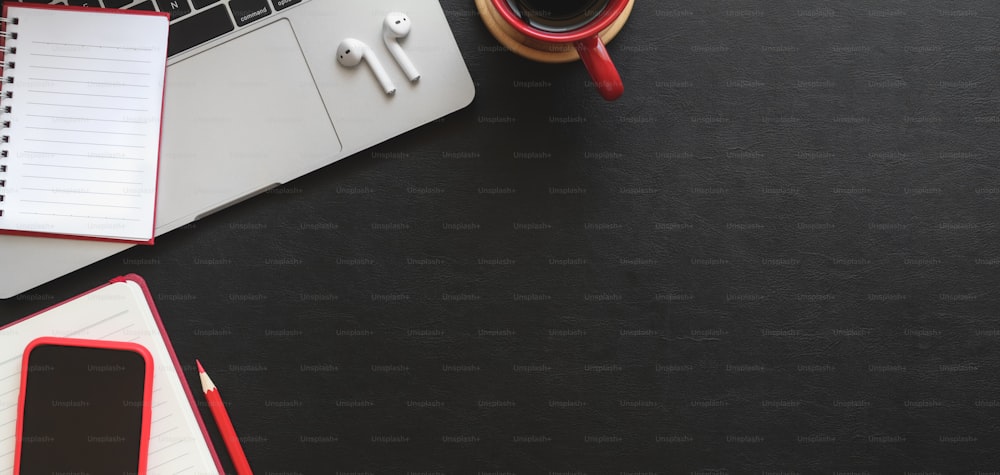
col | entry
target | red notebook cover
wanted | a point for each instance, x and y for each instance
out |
(166, 340)
(80, 194)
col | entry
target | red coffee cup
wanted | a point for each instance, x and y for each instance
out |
(583, 34)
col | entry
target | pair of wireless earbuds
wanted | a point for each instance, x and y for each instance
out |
(353, 52)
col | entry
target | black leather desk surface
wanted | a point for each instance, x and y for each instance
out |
(777, 253)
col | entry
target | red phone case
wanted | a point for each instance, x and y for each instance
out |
(147, 390)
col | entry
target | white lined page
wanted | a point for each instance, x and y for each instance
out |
(115, 312)
(84, 123)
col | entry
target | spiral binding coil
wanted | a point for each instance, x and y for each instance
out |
(6, 67)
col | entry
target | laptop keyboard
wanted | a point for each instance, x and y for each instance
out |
(193, 22)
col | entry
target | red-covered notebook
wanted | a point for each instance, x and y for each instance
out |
(121, 310)
(81, 101)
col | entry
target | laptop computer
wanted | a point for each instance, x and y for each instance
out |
(255, 97)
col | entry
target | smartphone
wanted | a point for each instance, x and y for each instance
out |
(84, 407)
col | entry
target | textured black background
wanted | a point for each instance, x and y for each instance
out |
(777, 253)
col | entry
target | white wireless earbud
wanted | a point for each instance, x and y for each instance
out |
(396, 26)
(352, 52)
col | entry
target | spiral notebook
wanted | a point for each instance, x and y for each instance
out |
(121, 310)
(82, 100)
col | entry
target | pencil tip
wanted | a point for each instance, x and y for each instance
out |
(200, 369)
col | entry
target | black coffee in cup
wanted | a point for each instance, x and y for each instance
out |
(557, 16)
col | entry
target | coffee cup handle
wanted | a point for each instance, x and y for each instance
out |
(602, 70)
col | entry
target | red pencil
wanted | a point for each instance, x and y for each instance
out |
(225, 425)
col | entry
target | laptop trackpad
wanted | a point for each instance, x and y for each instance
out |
(239, 118)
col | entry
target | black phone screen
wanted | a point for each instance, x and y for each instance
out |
(82, 411)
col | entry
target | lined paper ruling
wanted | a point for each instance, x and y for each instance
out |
(82, 98)
(117, 311)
